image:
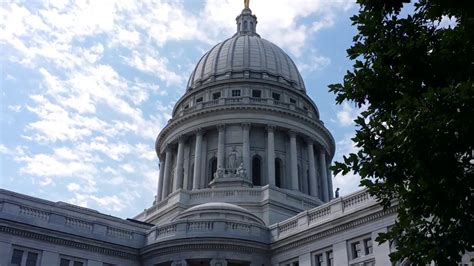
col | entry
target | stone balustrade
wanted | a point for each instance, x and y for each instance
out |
(64, 217)
(208, 228)
(329, 211)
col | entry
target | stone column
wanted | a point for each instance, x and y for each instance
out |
(313, 182)
(178, 177)
(271, 154)
(218, 262)
(331, 191)
(246, 147)
(294, 161)
(167, 177)
(324, 175)
(159, 194)
(197, 160)
(220, 146)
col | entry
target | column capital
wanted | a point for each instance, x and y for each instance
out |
(180, 138)
(309, 141)
(245, 125)
(292, 133)
(270, 127)
(169, 148)
(198, 131)
(220, 127)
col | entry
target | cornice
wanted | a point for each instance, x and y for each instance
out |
(202, 244)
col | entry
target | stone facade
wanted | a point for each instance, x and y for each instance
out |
(243, 180)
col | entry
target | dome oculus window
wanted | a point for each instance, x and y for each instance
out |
(292, 100)
(235, 93)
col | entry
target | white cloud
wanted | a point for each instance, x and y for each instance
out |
(73, 187)
(14, 108)
(348, 114)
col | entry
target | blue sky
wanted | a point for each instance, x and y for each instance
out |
(85, 87)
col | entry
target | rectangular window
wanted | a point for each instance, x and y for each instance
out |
(257, 93)
(330, 258)
(64, 262)
(216, 95)
(31, 259)
(292, 100)
(276, 96)
(16, 257)
(78, 263)
(235, 93)
(368, 246)
(199, 100)
(356, 250)
(318, 259)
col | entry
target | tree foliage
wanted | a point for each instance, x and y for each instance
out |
(416, 138)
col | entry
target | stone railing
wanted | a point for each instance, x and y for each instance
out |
(244, 100)
(208, 228)
(333, 209)
(79, 223)
(54, 216)
(36, 213)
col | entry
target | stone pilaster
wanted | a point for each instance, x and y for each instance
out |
(271, 154)
(197, 159)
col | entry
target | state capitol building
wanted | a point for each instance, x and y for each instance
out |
(243, 180)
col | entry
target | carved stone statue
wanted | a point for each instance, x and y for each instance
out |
(232, 159)
(337, 193)
(246, 4)
(241, 172)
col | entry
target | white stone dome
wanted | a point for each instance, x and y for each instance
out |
(246, 55)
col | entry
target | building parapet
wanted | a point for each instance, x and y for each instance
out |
(330, 211)
(59, 217)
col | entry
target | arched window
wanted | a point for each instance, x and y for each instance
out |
(278, 172)
(245, 25)
(256, 171)
(212, 168)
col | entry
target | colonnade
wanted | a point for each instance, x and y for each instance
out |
(165, 174)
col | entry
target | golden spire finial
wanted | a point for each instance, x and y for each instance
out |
(246, 4)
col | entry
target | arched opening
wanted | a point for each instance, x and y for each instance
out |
(278, 172)
(245, 25)
(256, 171)
(212, 168)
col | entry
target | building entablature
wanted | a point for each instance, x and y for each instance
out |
(205, 118)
